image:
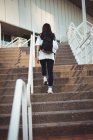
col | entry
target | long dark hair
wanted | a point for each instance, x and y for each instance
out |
(46, 30)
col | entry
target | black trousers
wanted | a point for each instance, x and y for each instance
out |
(47, 69)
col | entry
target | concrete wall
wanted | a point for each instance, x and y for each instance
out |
(32, 14)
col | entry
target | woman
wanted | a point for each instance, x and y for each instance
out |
(46, 59)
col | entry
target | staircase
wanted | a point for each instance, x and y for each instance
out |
(69, 111)
(64, 55)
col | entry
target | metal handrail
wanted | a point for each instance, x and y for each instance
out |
(12, 41)
(26, 42)
(16, 40)
(24, 95)
(79, 42)
(20, 99)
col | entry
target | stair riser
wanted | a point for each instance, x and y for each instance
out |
(77, 80)
(15, 65)
(62, 81)
(61, 96)
(63, 130)
(65, 50)
(5, 62)
(46, 97)
(50, 118)
(45, 107)
(67, 73)
(6, 100)
(52, 107)
(10, 83)
(64, 55)
(58, 73)
(60, 68)
(13, 77)
(64, 88)
(43, 133)
(64, 117)
(13, 70)
(64, 61)
(7, 91)
(14, 60)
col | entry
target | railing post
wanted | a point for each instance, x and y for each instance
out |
(0, 34)
(85, 25)
(24, 114)
(15, 117)
(84, 18)
(30, 134)
(92, 43)
(33, 46)
(30, 70)
(19, 42)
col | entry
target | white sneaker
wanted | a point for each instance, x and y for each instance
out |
(45, 80)
(50, 90)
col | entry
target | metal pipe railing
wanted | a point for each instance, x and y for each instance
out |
(17, 41)
(20, 99)
(77, 39)
(11, 42)
(22, 93)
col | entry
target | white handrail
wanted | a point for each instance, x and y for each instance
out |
(12, 41)
(81, 46)
(25, 42)
(30, 70)
(22, 92)
(17, 41)
(20, 98)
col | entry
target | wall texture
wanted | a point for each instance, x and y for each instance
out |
(32, 14)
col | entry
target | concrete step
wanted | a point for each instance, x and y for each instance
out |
(9, 83)
(63, 56)
(5, 77)
(66, 80)
(14, 49)
(63, 128)
(14, 57)
(60, 68)
(7, 91)
(54, 116)
(53, 106)
(13, 70)
(63, 96)
(15, 54)
(60, 71)
(65, 53)
(6, 100)
(66, 73)
(69, 137)
(14, 65)
(62, 105)
(65, 88)
(62, 116)
(19, 60)
(57, 81)
(65, 61)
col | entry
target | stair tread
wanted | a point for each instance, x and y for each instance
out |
(67, 101)
(56, 102)
(63, 112)
(59, 124)
(54, 112)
